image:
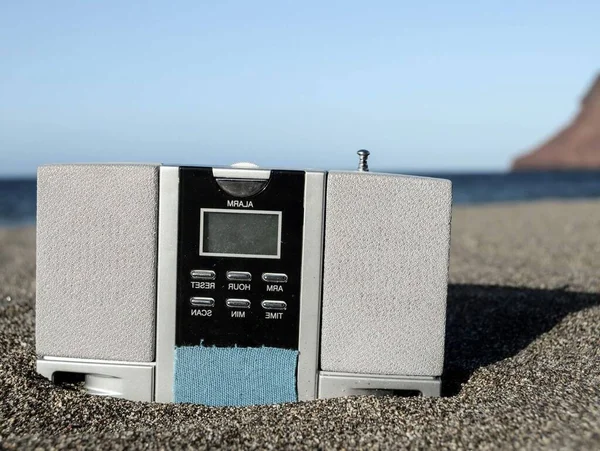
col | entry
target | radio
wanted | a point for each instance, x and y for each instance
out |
(241, 285)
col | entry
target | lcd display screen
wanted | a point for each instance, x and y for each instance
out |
(240, 233)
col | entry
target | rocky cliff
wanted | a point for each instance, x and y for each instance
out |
(575, 147)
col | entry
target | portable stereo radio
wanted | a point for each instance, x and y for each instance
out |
(241, 285)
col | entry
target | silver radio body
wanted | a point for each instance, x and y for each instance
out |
(241, 285)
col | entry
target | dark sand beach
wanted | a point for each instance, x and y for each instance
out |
(522, 359)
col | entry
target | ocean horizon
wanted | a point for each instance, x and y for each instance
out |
(18, 194)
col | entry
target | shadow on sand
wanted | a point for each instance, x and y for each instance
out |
(486, 324)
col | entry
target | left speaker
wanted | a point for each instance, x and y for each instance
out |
(96, 262)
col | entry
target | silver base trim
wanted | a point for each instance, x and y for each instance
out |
(333, 385)
(127, 380)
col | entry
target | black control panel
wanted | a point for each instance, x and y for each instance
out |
(239, 259)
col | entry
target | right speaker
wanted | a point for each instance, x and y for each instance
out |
(385, 274)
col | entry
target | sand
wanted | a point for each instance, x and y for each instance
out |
(522, 364)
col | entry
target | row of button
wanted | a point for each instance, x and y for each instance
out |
(237, 303)
(238, 276)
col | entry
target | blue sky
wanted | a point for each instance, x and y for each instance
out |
(426, 86)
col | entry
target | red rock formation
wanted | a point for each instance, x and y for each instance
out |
(575, 147)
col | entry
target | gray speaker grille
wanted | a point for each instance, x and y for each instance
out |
(96, 261)
(385, 274)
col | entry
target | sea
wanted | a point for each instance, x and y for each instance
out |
(18, 196)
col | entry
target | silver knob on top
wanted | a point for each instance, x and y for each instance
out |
(363, 155)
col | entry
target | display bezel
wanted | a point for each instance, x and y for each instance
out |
(230, 211)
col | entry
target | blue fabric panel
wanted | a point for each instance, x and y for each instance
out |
(234, 376)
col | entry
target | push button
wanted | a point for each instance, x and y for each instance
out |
(274, 277)
(237, 303)
(203, 274)
(273, 305)
(202, 302)
(239, 276)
